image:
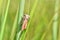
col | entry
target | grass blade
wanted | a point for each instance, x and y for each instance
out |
(21, 10)
(55, 23)
(4, 21)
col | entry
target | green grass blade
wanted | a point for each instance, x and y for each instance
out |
(4, 21)
(21, 9)
(55, 20)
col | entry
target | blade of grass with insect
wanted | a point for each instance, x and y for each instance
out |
(4, 21)
(55, 22)
(21, 11)
(31, 16)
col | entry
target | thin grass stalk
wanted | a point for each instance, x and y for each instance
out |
(19, 36)
(14, 26)
(2, 10)
(55, 23)
(31, 15)
(27, 12)
(4, 21)
(21, 10)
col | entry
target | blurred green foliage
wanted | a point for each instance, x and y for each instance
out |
(40, 26)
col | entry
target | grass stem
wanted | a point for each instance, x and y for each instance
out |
(4, 21)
